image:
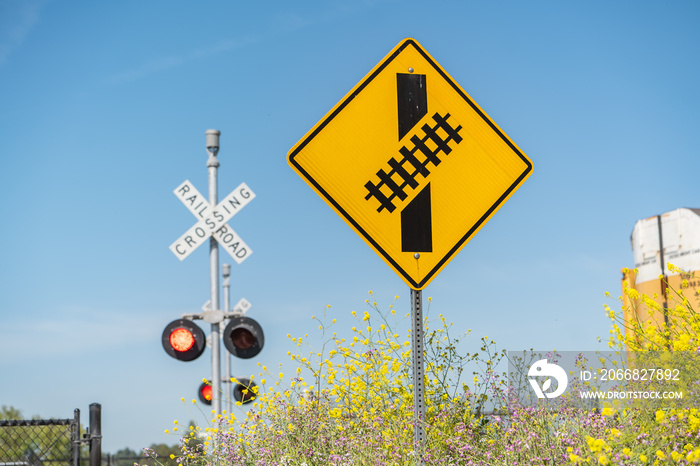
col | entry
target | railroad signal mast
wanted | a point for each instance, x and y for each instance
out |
(243, 337)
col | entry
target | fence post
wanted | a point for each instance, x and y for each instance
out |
(75, 438)
(95, 434)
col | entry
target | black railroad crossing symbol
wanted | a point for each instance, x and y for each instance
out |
(416, 224)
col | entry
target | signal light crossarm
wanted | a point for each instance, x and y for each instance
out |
(204, 316)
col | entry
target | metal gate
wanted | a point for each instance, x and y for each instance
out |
(50, 442)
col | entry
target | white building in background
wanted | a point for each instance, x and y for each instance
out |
(672, 237)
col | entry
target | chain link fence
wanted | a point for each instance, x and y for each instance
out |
(38, 441)
(61, 442)
(51, 442)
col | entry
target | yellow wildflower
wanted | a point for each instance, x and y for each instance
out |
(660, 416)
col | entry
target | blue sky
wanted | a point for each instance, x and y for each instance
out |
(103, 109)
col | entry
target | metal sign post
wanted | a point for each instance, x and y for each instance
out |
(418, 373)
(213, 165)
(226, 272)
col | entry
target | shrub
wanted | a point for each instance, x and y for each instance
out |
(350, 402)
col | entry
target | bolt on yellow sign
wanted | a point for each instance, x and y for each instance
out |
(411, 163)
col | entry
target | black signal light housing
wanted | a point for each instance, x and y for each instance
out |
(244, 391)
(244, 337)
(184, 340)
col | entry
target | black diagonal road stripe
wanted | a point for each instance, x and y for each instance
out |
(416, 221)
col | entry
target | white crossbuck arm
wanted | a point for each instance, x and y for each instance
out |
(212, 221)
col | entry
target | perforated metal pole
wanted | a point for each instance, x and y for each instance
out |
(213, 165)
(226, 272)
(418, 373)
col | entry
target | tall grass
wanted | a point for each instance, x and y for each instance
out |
(350, 403)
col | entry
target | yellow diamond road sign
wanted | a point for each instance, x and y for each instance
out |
(411, 163)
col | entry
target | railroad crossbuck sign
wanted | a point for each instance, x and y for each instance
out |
(411, 163)
(212, 221)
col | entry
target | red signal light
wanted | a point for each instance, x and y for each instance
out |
(205, 393)
(183, 340)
